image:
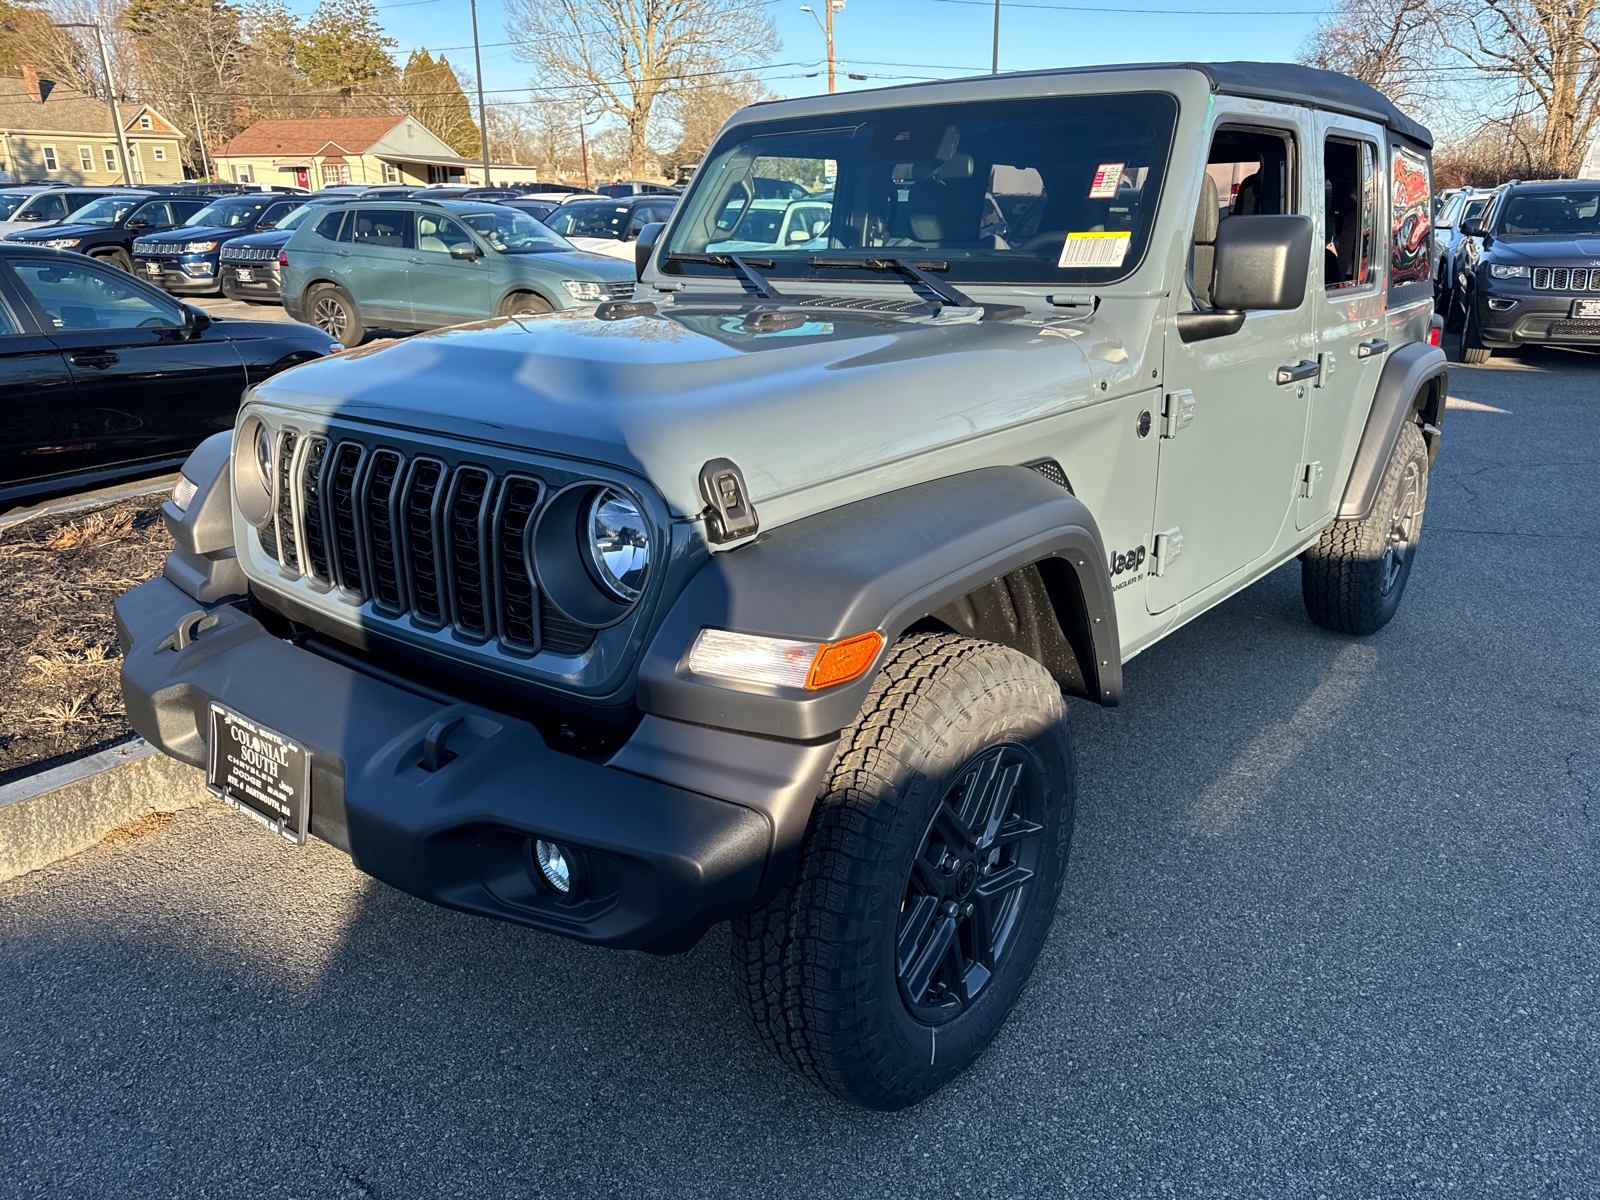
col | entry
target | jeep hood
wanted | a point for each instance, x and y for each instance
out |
(834, 394)
(1543, 248)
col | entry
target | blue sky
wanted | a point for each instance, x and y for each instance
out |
(895, 41)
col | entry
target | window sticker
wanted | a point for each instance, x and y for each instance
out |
(1106, 178)
(1095, 249)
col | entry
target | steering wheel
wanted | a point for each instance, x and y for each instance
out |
(1053, 239)
(155, 323)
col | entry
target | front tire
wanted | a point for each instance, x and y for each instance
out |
(524, 303)
(1353, 579)
(116, 258)
(927, 879)
(331, 310)
(1473, 351)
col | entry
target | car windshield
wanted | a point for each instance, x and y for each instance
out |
(107, 210)
(229, 214)
(1041, 190)
(513, 232)
(1574, 212)
(592, 220)
(11, 201)
(296, 215)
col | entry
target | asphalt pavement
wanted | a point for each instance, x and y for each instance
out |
(1330, 930)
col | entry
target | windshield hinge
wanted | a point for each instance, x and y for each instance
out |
(729, 514)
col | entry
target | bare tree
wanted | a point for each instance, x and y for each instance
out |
(699, 111)
(553, 134)
(1549, 52)
(625, 55)
(1391, 44)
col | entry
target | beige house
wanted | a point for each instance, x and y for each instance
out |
(50, 133)
(319, 151)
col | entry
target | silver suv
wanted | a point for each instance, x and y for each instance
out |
(763, 596)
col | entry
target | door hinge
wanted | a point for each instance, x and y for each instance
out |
(1310, 479)
(1168, 546)
(729, 514)
(1177, 410)
(1325, 364)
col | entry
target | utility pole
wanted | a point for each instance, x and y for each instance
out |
(111, 91)
(200, 135)
(994, 63)
(483, 118)
(583, 144)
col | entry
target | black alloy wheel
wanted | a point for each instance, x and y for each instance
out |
(116, 258)
(969, 882)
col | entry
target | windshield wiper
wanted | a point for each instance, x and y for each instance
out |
(745, 266)
(918, 271)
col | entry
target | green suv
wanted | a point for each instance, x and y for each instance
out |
(423, 264)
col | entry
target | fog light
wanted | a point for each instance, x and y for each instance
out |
(555, 864)
(1502, 305)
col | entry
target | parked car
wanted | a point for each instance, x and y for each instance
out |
(185, 260)
(31, 207)
(106, 228)
(1528, 270)
(422, 264)
(764, 599)
(762, 224)
(609, 227)
(463, 193)
(1464, 204)
(248, 266)
(103, 377)
(636, 187)
(539, 210)
(197, 187)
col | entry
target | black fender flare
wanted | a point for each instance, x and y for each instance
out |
(1415, 380)
(881, 564)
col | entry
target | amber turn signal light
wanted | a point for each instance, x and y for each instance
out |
(839, 662)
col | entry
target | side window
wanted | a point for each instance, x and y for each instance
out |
(276, 213)
(439, 234)
(157, 213)
(77, 297)
(328, 227)
(9, 325)
(1350, 207)
(182, 210)
(52, 208)
(389, 228)
(1410, 240)
(637, 220)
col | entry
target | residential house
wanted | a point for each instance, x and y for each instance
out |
(52, 133)
(318, 151)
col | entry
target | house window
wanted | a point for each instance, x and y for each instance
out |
(335, 173)
(160, 153)
(86, 158)
(391, 173)
(144, 123)
(242, 175)
(49, 158)
(111, 159)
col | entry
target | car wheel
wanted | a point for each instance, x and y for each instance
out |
(927, 879)
(1472, 348)
(524, 302)
(1353, 579)
(1455, 313)
(331, 310)
(116, 258)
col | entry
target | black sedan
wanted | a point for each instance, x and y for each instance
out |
(104, 378)
(106, 228)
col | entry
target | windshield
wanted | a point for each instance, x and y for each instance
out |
(11, 201)
(513, 232)
(229, 214)
(296, 215)
(107, 210)
(592, 220)
(1042, 190)
(1571, 211)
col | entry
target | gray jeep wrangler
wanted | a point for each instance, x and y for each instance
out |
(757, 598)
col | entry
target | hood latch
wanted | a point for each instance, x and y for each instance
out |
(729, 514)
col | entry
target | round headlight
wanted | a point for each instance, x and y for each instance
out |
(252, 471)
(619, 544)
(264, 451)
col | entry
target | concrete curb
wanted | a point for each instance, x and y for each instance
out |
(55, 813)
(99, 499)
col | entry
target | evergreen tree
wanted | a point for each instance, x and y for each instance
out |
(430, 91)
(344, 45)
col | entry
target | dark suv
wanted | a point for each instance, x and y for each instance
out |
(1530, 272)
(184, 260)
(106, 229)
(249, 266)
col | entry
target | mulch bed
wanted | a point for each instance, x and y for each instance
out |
(59, 697)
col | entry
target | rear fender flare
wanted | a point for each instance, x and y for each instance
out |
(881, 564)
(1414, 384)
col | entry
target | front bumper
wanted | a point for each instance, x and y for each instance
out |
(262, 285)
(666, 862)
(170, 273)
(1538, 317)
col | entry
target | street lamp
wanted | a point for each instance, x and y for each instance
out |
(827, 30)
(111, 91)
(483, 117)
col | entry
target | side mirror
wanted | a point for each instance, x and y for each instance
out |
(1262, 263)
(469, 253)
(645, 246)
(139, 224)
(196, 320)
(1473, 228)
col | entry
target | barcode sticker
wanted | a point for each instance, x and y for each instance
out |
(1106, 178)
(1094, 249)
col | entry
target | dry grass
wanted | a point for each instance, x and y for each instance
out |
(138, 827)
(59, 694)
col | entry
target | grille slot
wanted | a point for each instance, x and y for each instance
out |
(341, 487)
(562, 636)
(1560, 279)
(519, 606)
(380, 497)
(420, 540)
(619, 291)
(312, 510)
(467, 514)
(288, 544)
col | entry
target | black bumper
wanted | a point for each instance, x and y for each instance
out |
(665, 862)
(262, 286)
(173, 278)
(1535, 317)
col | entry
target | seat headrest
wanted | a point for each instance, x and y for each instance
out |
(1206, 212)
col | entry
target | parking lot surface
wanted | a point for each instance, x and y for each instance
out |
(1330, 929)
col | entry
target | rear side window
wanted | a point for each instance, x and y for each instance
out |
(389, 228)
(328, 227)
(1411, 226)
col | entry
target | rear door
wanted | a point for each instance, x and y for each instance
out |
(147, 386)
(446, 290)
(40, 418)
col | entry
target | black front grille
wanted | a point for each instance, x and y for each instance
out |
(444, 545)
(288, 541)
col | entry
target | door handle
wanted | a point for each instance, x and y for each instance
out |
(342, 253)
(103, 359)
(1304, 369)
(1369, 349)
(421, 262)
